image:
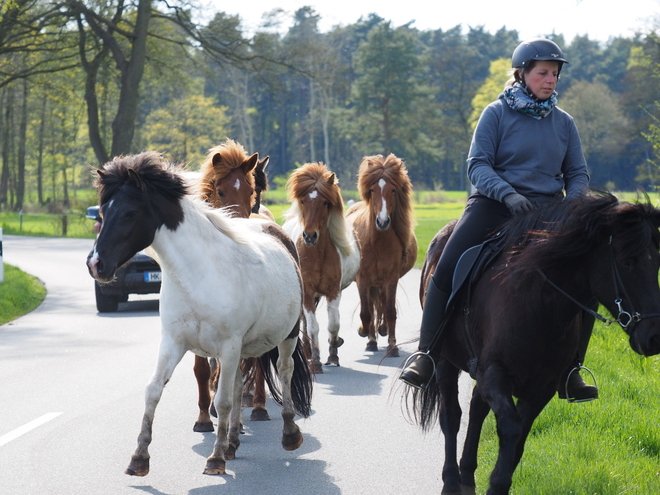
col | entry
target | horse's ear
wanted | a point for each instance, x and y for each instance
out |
(216, 160)
(332, 179)
(249, 164)
(134, 177)
(263, 163)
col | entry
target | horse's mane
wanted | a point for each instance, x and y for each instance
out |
(150, 172)
(392, 169)
(570, 228)
(232, 156)
(316, 176)
(147, 171)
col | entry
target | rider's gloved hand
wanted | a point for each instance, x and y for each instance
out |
(517, 203)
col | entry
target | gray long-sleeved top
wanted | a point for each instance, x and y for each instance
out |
(512, 152)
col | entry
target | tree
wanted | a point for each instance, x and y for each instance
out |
(387, 65)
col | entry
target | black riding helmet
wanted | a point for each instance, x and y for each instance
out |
(534, 50)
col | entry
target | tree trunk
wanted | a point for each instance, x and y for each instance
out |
(123, 127)
(22, 139)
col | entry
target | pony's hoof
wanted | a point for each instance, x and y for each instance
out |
(372, 345)
(332, 361)
(392, 351)
(292, 441)
(468, 490)
(382, 330)
(214, 466)
(337, 343)
(362, 332)
(230, 453)
(259, 414)
(247, 400)
(203, 427)
(139, 466)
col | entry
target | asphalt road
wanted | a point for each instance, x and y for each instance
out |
(72, 390)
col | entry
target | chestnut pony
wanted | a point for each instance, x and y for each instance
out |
(229, 180)
(328, 251)
(516, 328)
(384, 225)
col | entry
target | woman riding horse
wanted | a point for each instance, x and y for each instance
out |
(525, 153)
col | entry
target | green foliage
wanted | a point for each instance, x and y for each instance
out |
(491, 88)
(20, 293)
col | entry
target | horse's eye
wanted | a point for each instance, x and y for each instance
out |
(326, 203)
(220, 193)
(628, 262)
(130, 215)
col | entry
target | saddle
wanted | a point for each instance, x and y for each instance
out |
(473, 263)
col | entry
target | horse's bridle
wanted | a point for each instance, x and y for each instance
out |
(624, 318)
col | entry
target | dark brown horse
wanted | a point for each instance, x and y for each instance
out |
(228, 180)
(516, 329)
(384, 225)
(328, 250)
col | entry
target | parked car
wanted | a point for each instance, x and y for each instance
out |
(139, 275)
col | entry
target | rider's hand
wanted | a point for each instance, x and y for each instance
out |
(517, 203)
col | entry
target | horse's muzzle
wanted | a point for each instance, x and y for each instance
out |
(312, 239)
(645, 341)
(383, 224)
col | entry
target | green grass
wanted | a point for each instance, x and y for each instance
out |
(20, 293)
(47, 225)
(609, 446)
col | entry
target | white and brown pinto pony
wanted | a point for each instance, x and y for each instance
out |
(328, 251)
(214, 269)
(384, 224)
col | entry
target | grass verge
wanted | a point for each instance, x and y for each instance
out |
(20, 293)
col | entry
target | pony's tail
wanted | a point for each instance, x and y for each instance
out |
(301, 381)
(423, 406)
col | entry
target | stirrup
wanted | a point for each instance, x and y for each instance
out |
(577, 369)
(408, 361)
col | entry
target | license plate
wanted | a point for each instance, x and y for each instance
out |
(152, 276)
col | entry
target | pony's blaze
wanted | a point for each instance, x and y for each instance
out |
(311, 238)
(382, 219)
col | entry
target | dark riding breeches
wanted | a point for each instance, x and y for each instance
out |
(482, 216)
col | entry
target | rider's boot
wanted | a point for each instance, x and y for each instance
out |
(571, 385)
(421, 366)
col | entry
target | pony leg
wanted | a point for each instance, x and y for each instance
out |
(223, 401)
(496, 389)
(389, 316)
(450, 423)
(334, 339)
(366, 317)
(233, 438)
(312, 326)
(168, 357)
(291, 436)
(202, 371)
(479, 409)
(259, 411)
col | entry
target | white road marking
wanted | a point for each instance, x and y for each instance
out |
(22, 430)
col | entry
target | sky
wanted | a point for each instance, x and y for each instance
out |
(600, 19)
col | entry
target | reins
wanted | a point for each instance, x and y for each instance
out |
(624, 318)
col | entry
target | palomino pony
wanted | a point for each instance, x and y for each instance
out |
(228, 180)
(516, 328)
(214, 269)
(383, 223)
(328, 250)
